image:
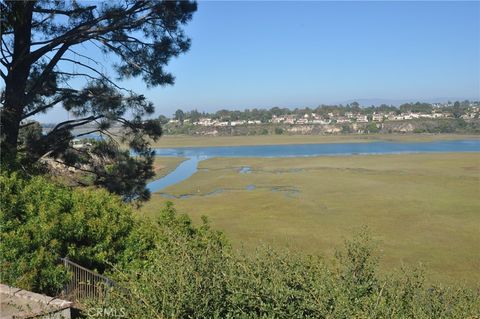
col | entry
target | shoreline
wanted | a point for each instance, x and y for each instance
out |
(179, 141)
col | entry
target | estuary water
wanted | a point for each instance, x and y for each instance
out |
(196, 154)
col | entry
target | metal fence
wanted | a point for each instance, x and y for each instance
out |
(84, 283)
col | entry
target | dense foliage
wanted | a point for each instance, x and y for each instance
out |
(176, 270)
(42, 221)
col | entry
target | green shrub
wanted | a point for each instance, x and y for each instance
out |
(372, 128)
(177, 270)
(172, 269)
(346, 128)
(42, 221)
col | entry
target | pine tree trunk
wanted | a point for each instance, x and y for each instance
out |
(16, 82)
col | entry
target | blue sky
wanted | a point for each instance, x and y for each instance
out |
(265, 54)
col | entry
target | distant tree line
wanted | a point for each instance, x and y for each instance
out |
(457, 108)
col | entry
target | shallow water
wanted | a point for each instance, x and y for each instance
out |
(197, 154)
(245, 170)
(183, 171)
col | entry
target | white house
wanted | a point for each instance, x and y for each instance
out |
(343, 120)
(377, 117)
(77, 143)
(205, 121)
(235, 123)
(302, 121)
(362, 119)
(320, 121)
(290, 119)
(277, 119)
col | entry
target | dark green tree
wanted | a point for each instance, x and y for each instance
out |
(194, 115)
(457, 110)
(179, 115)
(416, 107)
(163, 119)
(355, 105)
(44, 66)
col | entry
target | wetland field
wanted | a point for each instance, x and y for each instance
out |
(420, 208)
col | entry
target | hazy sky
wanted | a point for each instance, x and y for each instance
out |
(264, 54)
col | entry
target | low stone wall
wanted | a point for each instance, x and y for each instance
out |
(19, 303)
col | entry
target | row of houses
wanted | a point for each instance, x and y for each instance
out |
(354, 118)
(332, 118)
(472, 113)
(212, 122)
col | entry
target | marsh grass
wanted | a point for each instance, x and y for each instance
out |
(423, 208)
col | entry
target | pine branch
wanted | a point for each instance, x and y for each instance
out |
(45, 73)
(103, 76)
(43, 108)
(67, 125)
(63, 12)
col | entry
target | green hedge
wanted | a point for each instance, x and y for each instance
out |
(42, 221)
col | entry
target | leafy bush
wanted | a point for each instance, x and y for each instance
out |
(42, 221)
(372, 128)
(346, 128)
(186, 261)
(176, 270)
(446, 126)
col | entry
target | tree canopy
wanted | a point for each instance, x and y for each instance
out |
(50, 56)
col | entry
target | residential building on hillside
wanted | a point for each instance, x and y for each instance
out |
(377, 117)
(362, 119)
